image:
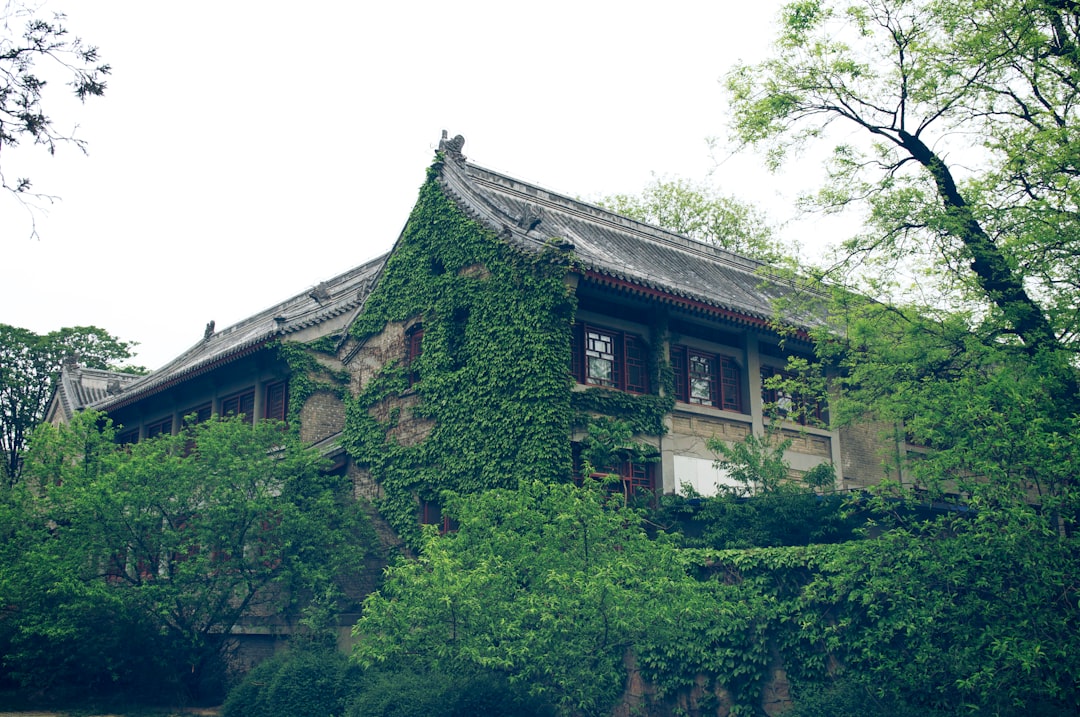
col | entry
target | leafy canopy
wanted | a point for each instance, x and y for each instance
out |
(953, 124)
(29, 370)
(701, 212)
(189, 534)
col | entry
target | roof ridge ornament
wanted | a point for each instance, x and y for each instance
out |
(452, 147)
(320, 292)
(208, 331)
(531, 218)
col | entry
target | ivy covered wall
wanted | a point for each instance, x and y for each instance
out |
(491, 386)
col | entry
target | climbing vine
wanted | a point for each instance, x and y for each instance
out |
(491, 383)
(307, 375)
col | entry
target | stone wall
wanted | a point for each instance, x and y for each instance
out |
(322, 416)
(866, 450)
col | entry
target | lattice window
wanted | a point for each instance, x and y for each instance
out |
(160, 427)
(706, 379)
(794, 405)
(198, 414)
(605, 357)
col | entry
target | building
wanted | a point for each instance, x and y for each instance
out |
(475, 352)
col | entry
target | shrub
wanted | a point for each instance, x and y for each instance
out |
(407, 693)
(295, 683)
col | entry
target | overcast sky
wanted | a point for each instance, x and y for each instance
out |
(245, 151)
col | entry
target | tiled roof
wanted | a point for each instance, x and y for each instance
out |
(78, 387)
(343, 294)
(611, 247)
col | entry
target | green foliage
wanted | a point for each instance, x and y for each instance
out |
(556, 587)
(493, 376)
(407, 693)
(296, 683)
(973, 614)
(850, 698)
(180, 535)
(610, 442)
(965, 171)
(997, 420)
(547, 585)
(307, 375)
(786, 517)
(29, 369)
(700, 212)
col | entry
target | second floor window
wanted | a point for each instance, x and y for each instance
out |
(158, 428)
(706, 379)
(605, 357)
(277, 404)
(794, 405)
(414, 347)
(239, 404)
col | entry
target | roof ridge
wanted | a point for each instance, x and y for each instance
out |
(593, 212)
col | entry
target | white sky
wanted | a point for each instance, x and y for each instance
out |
(245, 151)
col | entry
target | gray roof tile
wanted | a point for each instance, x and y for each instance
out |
(621, 248)
(343, 294)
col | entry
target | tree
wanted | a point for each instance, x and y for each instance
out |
(560, 588)
(28, 57)
(700, 212)
(914, 75)
(960, 120)
(185, 535)
(29, 369)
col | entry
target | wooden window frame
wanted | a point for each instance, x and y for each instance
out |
(239, 399)
(276, 405)
(431, 513)
(158, 427)
(635, 479)
(414, 349)
(627, 355)
(810, 412)
(128, 437)
(724, 378)
(202, 412)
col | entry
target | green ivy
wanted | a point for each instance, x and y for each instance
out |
(307, 375)
(493, 374)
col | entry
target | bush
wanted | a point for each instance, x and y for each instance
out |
(295, 683)
(405, 693)
(850, 698)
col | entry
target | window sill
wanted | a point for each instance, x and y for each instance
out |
(796, 426)
(681, 407)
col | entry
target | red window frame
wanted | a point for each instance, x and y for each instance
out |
(431, 513)
(241, 403)
(414, 349)
(276, 406)
(812, 410)
(160, 427)
(606, 357)
(718, 374)
(635, 479)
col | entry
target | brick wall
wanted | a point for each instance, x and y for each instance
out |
(322, 415)
(866, 449)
